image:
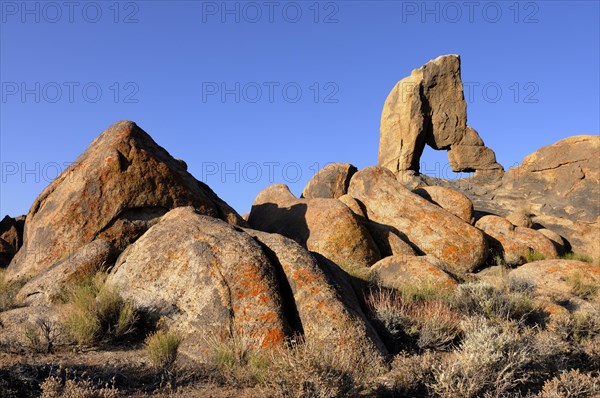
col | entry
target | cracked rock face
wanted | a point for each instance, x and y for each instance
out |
(114, 191)
(560, 183)
(428, 107)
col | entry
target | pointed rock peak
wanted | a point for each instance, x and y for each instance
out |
(120, 186)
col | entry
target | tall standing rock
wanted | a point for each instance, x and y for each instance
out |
(429, 227)
(428, 107)
(114, 191)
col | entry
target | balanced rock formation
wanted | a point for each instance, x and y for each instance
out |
(428, 107)
(114, 191)
(325, 226)
(427, 226)
(330, 182)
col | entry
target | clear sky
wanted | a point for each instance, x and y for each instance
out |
(255, 93)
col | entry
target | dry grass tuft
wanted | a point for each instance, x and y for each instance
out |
(98, 312)
(432, 324)
(581, 286)
(162, 348)
(8, 292)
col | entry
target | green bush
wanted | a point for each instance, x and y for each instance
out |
(534, 255)
(577, 256)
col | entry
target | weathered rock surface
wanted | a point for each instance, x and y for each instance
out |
(46, 287)
(319, 304)
(389, 240)
(399, 271)
(114, 191)
(558, 185)
(11, 231)
(352, 205)
(561, 184)
(330, 182)
(520, 218)
(207, 277)
(554, 282)
(514, 243)
(11, 238)
(450, 200)
(17, 322)
(557, 240)
(325, 226)
(7, 252)
(427, 226)
(428, 107)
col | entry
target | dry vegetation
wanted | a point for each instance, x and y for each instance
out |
(477, 340)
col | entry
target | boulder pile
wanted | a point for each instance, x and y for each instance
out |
(298, 266)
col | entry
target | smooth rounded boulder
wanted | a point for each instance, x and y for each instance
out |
(330, 182)
(46, 287)
(400, 271)
(432, 229)
(206, 277)
(114, 191)
(572, 282)
(450, 200)
(514, 244)
(325, 226)
(319, 304)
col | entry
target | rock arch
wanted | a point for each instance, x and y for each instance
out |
(428, 108)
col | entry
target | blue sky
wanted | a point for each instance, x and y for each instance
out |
(255, 93)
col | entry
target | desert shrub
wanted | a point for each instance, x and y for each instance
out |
(55, 386)
(98, 312)
(411, 374)
(41, 336)
(8, 292)
(320, 369)
(432, 324)
(576, 327)
(571, 384)
(577, 256)
(581, 286)
(491, 359)
(534, 255)
(162, 347)
(513, 301)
